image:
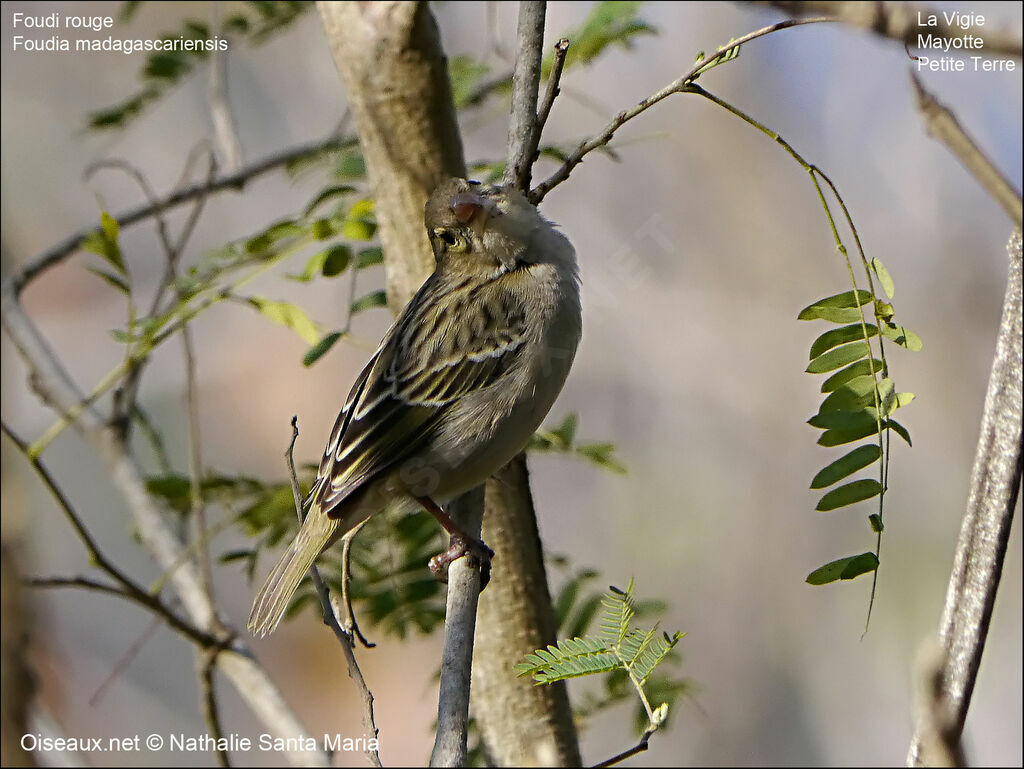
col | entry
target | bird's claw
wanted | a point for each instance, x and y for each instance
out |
(474, 549)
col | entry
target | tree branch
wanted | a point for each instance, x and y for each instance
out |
(330, 617)
(58, 253)
(55, 387)
(995, 485)
(523, 133)
(943, 126)
(677, 86)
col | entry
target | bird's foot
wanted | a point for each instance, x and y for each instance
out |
(463, 545)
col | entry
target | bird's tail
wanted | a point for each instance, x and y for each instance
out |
(315, 535)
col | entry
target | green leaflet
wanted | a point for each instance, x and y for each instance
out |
(883, 277)
(838, 357)
(840, 308)
(860, 368)
(287, 315)
(838, 336)
(317, 351)
(846, 465)
(844, 568)
(850, 493)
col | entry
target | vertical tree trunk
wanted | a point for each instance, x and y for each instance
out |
(396, 79)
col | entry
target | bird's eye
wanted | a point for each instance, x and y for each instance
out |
(452, 240)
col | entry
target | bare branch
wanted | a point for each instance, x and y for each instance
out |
(450, 742)
(943, 126)
(677, 86)
(561, 49)
(994, 487)
(640, 747)
(236, 182)
(523, 134)
(899, 21)
(330, 617)
(211, 709)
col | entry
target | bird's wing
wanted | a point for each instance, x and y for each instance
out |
(427, 361)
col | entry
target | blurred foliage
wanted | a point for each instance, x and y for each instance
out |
(252, 24)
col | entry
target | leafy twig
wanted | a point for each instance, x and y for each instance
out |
(58, 253)
(677, 86)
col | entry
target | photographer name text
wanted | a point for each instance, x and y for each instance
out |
(196, 743)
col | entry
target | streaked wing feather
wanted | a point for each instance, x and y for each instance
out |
(424, 364)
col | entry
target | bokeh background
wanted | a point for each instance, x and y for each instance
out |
(698, 248)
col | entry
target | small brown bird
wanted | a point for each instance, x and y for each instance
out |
(458, 385)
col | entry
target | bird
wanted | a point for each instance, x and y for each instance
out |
(458, 385)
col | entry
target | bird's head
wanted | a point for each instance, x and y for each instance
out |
(475, 227)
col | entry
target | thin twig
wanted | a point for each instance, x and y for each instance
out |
(552, 90)
(58, 253)
(522, 128)
(350, 624)
(943, 126)
(135, 595)
(211, 709)
(330, 617)
(985, 531)
(640, 747)
(605, 135)
(124, 660)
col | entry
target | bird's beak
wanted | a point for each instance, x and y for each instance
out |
(472, 209)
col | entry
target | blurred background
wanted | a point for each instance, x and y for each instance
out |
(698, 249)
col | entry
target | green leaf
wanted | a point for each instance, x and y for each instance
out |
(883, 277)
(838, 336)
(902, 336)
(840, 308)
(836, 437)
(336, 260)
(103, 243)
(314, 353)
(846, 465)
(115, 280)
(844, 568)
(902, 399)
(287, 315)
(369, 257)
(875, 520)
(845, 420)
(849, 494)
(375, 299)
(860, 368)
(900, 430)
(609, 23)
(322, 229)
(600, 454)
(855, 394)
(329, 193)
(466, 75)
(358, 229)
(838, 357)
